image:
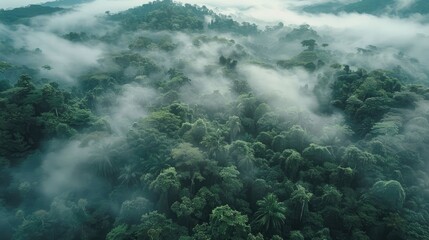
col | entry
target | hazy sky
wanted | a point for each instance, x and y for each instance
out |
(229, 3)
(356, 30)
(17, 3)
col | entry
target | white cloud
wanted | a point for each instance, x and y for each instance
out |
(67, 59)
(59, 165)
(130, 106)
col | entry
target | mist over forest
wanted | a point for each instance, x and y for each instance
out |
(208, 119)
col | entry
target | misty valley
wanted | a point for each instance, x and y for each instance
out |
(214, 120)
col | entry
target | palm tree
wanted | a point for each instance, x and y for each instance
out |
(242, 154)
(300, 199)
(129, 175)
(271, 213)
(213, 143)
(104, 163)
(234, 124)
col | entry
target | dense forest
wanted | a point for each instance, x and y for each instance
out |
(177, 121)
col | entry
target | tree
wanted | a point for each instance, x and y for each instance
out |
(119, 232)
(234, 125)
(187, 206)
(262, 109)
(342, 177)
(242, 154)
(165, 183)
(104, 162)
(317, 154)
(331, 196)
(198, 131)
(189, 209)
(296, 235)
(53, 98)
(214, 143)
(226, 223)
(292, 164)
(163, 121)
(357, 159)
(389, 194)
(231, 182)
(148, 143)
(156, 226)
(299, 201)
(296, 138)
(132, 210)
(128, 175)
(270, 215)
(36, 226)
(190, 162)
(310, 44)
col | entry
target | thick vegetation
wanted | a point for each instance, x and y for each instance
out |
(23, 14)
(226, 164)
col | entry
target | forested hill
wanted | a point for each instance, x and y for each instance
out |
(65, 3)
(23, 14)
(165, 15)
(171, 121)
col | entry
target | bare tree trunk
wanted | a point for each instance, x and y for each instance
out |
(302, 211)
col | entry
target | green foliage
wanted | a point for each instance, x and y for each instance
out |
(292, 164)
(166, 180)
(145, 43)
(301, 33)
(242, 154)
(211, 157)
(22, 14)
(234, 125)
(226, 223)
(30, 114)
(366, 98)
(299, 202)
(163, 15)
(271, 214)
(230, 180)
(310, 44)
(134, 61)
(155, 225)
(118, 233)
(388, 194)
(132, 210)
(331, 196)
(296, 235)
(198, 131)
(177, 80)
(227, 62)
(296, 138)
(188, 206)
(357, 159)
(226, 24)
(76, 37)
(317, 153)
(148, 143)
(163, 121)
(309, 59)
(34, 226)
